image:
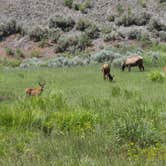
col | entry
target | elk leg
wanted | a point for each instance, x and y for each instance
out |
(143, 67)
(129, 68)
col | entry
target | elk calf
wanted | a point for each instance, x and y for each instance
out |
(106, 72)
(35, 91)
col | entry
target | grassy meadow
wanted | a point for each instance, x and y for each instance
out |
(80, 119)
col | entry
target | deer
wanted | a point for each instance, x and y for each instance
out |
(35, 91)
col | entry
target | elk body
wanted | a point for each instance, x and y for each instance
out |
(35, 91)
(133, 61)
(106, 72)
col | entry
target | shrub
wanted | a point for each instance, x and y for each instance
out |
(142, 3)
(72, 44)
(131, 19)
(83, 24)
(105, 55)
(93, 31)
(11, 63)
(156, 76)
(156, 24)
(68, 3)
(38, 33)
(43, 43)
(111, 18)
(19, 53)
(9, 28)
(132, 128)
(134, 34)
(9, 51)
(84, 6)
(162, 35)
(142, 19)
(75, 121)
(66, 24)
(35, 53)
(162, 1)
(54, 35)
(114, 35)
(120, 9)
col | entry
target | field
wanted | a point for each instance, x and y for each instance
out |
(81, 119)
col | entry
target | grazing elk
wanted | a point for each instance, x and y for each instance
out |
(106, 72)
(35, 91)
(133, 61)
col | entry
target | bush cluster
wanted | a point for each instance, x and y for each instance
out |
(9, 28)
(131, 19)
(38, 33)
(65, 24)
(90, 29)
(156, 24)
(72, 44)
(156, 76)
(114, 35)
(78, 6)
(15, 53)
(162, 35)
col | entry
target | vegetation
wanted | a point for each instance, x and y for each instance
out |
(66, 24)
(72, 43)
(9, 51)
(83, 124)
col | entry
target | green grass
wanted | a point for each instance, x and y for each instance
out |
(80, 119)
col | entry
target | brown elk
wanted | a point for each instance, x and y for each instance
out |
(35, 91)
(133, 61)
(106, 72)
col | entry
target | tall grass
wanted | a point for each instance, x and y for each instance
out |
(80, 119)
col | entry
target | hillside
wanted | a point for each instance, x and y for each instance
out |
(51, 27)
(32, 12)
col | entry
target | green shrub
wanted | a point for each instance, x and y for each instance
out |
(54, 35)
(9, 51)
(114, 35)
(162, 35)
(93, 31)
(156, 76)
(132, 128)
(43, 43)
(119, 9)
(66, 24)
(10, 62)
(9, 28)
(38, 33)
(131, 19)
(134, 34)
(156, 24)
(162, 1)
(72, 44)
(68, 3)
(19, 53)
(83, 24)
(35, 53)
(143, 3)
(111, 18)
(75, 121)
(84, 6)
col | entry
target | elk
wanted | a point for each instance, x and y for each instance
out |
(35, 91)
(132, 61)
(106, 72)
